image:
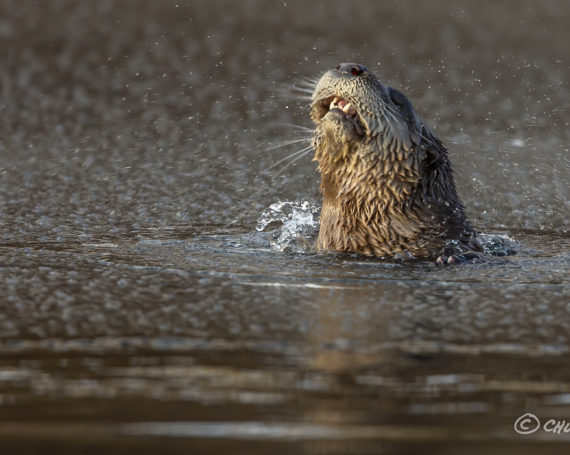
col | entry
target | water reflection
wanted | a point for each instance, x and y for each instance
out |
(140, 311)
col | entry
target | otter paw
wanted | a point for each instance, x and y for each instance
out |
(457, 258)
(444, 260)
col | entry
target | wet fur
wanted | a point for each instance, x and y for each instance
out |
(387, 182)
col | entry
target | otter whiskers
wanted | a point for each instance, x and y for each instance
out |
(291, 142)
(295, 155)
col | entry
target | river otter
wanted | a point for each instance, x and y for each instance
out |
(386, 181)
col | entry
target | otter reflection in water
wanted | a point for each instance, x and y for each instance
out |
(386, 180)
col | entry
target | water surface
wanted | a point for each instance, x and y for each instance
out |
(142, 312)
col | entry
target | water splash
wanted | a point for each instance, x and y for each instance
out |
(294, 226)
(498, 245)
(298, 221)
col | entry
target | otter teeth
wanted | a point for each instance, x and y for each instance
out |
(348, 109)
(343, 105)
(334, 103)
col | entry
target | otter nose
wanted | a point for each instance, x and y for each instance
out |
(351, 68)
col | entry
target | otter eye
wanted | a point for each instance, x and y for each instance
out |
(351, 68)
(356, 71)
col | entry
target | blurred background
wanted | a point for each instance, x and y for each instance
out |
(141, 312)
(153, 113)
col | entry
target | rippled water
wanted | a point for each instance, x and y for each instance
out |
(158, 288)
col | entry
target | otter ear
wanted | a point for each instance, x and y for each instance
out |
(435, 154)
(408, 113)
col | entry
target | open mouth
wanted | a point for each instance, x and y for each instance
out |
(341, 105)
(337, 102)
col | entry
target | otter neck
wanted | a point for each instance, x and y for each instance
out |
(360, 188)
(373, 215)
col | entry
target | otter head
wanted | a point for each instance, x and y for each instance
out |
(386, 181)
(350, 106)
(360, 121)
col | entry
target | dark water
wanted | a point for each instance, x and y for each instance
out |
(141, 311)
